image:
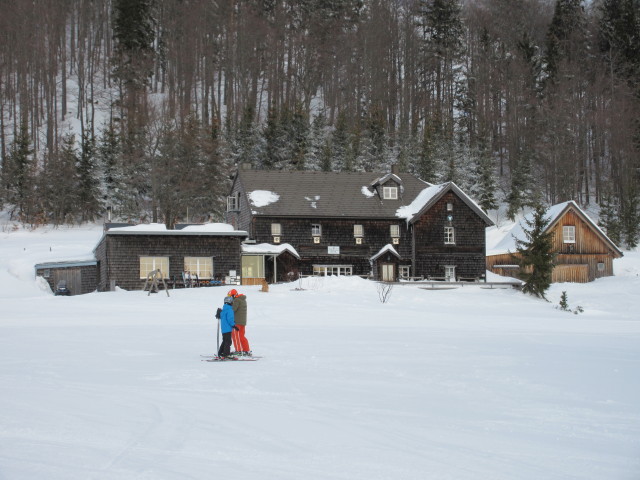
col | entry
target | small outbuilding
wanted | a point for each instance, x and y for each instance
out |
(583, 251)
(77, 276)
(204, 254)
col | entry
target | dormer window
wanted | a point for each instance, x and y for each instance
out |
(233, 203)
(390, 193)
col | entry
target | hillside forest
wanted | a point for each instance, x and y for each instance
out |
(147, 107)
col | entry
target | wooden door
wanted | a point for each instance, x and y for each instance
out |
(73, 277)
(388, 272)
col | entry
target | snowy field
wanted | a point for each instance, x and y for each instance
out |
(457, 384)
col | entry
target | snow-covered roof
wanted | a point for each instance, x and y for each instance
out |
(506, 242)
(262, 198)
(221, 229)
(387, 248)
(269, 249)
(386, 178)
(424, 197)
(430, 195)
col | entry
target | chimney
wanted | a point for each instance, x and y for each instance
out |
(395, 169)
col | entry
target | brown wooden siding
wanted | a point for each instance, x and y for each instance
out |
(575, 262)
(587, 240)
(585, 261)
(570, 273)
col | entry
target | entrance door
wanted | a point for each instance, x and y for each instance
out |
(388, 272)
(73, 277)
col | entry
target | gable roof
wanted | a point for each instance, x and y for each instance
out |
(430, 195)
(553, 215)
(269, 249)
(324, 194)
(387, 248)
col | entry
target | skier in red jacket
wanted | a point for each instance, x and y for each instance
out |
(240, 342)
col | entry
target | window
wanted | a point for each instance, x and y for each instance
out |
(569, 234)
(253, 266)
(358, 231)
(449, 236)
(325, 270)
(233, 203)
(149, 264)
(450, 273)
(395, 231)
(404, 271)
(316, 229)
(600, 267)
(200, 266)
(449, 207)
(390, 193)
(276, 229)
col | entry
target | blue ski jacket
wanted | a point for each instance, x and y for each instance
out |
(227, 319)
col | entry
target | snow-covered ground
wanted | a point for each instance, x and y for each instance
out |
(457, 384)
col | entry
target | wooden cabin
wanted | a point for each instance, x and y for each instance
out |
(344, 223)
(207, 253)
(583, 250)
(79, 276)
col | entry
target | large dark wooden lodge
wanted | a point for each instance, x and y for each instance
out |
(381, 226)
(281, 225)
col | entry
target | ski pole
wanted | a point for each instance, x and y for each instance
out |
(218, 337)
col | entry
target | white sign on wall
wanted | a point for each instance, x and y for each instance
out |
(333, 250)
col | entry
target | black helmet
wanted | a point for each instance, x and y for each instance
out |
(228, 300)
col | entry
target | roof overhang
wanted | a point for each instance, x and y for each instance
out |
(573, 206)
(388, 248)
(269, 249)
(66, 264)
(451, 187)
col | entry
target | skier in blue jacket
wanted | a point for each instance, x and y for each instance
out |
(227, 324)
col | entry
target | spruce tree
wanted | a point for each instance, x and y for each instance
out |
(18, 176)
(485, 182)
(520, 192)
(275, 139)
(60, 183)
(87, 182)
(326, 155)
(619, 37)
(318, 139)
(610, 218)
(427, 165)
(564, 34)
(630, 217)
(109, 154)
(536, 259)
(298, 138)
(340, 143)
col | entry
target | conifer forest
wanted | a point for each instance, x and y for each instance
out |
(146, 107)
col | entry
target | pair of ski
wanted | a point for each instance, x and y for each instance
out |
(232, 358)
(216, 358)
